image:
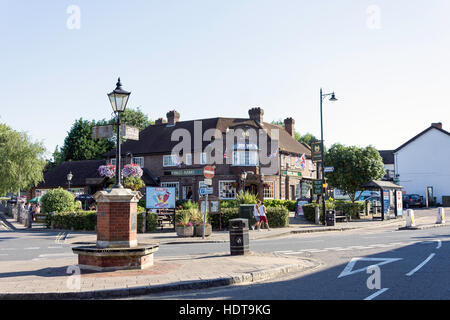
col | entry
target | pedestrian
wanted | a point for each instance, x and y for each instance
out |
(263, 216)
(256, 213)
(31, 210)
(37, 211)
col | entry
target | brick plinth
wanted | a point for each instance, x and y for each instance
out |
(117, 218)
(94, 258)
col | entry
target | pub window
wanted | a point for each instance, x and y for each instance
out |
(227, 189)
(170, 160)
(139, 161)
(268, 190)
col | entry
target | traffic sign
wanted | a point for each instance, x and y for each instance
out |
(207, 182)
(328, 169)
(208, 172)
(206, 190)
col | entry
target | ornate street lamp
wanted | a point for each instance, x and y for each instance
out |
(332, 98)
(243, 178)
(118, 99)
(69, 178)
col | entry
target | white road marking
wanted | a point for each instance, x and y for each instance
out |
(8, 249)
(283, 251)
(358, 247)
(31, 248)
(3, 254)
(439, 244)
(376, 294)
(336, 248)
(60, 247)
(420, 265)
(348, 270)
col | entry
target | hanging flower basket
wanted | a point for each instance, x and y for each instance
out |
(132, 170)
(108, 170)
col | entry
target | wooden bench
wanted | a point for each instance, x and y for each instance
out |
(341, 216)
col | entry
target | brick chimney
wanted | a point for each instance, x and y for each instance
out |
(256, 114)
(289, 125)
(160, 121)
(437, 125)
(172, 117)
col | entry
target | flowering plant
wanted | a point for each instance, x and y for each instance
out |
(132, 170)
(183, 224)
(108, 170)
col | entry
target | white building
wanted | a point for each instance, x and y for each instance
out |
(424, 162)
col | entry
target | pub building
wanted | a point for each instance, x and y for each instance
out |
(290, 178)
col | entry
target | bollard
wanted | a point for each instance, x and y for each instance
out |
(410, 218)
(440, 216)
(317, 215)
(239, 239)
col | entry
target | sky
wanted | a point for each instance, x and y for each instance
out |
(387, 62)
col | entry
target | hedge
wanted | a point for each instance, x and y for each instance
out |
(87, 221)
(310, 208)
(350, 209)
(288, 204)
(278, 217)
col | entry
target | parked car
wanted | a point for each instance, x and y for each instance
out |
(412, 200)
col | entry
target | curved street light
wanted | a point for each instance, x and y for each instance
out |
(332, 98)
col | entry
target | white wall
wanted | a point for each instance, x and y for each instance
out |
(425, 162)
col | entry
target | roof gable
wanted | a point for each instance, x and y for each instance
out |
(419, 135)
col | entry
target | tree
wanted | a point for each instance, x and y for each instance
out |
(353, 167)
(21, 160)
(79, 145)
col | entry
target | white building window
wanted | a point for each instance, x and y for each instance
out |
(269, 190)
(227, 189)
(175, 185)
(139, 161)
(170, 160)
(189, 159)
(245, 158)
(203, 158)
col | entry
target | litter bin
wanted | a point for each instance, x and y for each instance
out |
(246, 212)
(239, 239)
(330, 218)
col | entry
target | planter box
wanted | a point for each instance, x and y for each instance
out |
(185, 231)
(199, 230)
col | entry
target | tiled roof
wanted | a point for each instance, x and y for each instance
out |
(156, 139)
(387, 155)
(81, 170)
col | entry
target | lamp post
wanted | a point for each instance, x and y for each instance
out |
(118, 99)
(69, 178)
(332, 98)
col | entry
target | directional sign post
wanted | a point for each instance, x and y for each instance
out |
(208, 172)
(328, 169)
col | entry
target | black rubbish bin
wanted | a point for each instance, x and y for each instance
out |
(239, 240)
(330, 218)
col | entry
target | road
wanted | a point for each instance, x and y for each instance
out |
(412, 263)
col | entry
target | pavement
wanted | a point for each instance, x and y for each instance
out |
(60, 278)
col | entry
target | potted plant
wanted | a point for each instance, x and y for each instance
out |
(185, 227)
(199, 222)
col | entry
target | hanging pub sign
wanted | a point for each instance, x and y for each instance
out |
(317, 186)
(99, 132)
(129, 132)
(316, 151)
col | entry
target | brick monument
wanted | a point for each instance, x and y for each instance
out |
(117, 246)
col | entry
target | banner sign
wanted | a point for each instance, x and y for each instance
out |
(160, 198)
(399, 201)
(317, 187)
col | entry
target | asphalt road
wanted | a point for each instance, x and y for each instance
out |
(413, 264)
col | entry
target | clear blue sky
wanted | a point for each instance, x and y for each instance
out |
(220, 58)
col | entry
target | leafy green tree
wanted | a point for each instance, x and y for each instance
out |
(353, 167)
(79, 145)
(21, 160)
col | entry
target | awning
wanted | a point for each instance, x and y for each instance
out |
(380, 184)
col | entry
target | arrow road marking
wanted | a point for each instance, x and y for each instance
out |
(439, 244)
(420, 265)
(348, 270)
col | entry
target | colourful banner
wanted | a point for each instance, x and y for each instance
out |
(160, 198)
